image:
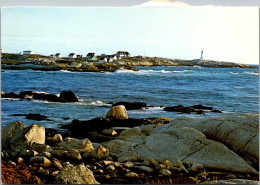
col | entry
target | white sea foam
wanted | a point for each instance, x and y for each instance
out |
(13, 99)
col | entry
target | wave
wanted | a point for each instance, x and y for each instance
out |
(13, 99)
(150, 72)
(245, 73)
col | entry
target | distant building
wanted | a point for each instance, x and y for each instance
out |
(111, 58)
(28, 52)
(79, 56)
(201, 55)
(91, 56)
(58, 55)
(72, 55)
(2, 51)
(122, 54)
(102, 59)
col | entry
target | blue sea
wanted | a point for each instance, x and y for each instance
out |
(231, 90)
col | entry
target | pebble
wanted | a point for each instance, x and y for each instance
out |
(98, 165)
(131, 175)
(165, 172)
(98, 171)
(161, 166)
(168, 164)
(20, 160)
(129, 165)
(57, 164)
(110, 168)
(47, 154)
(106, 163)
(144, 169)
(56, 172)
(11, 163)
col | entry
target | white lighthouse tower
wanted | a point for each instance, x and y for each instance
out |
(201, 55)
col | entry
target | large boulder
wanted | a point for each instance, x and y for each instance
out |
(29, 135)
(99, 152)
(68, 96)
(189, 144)
(129, 105)
(9, 131)
(45, 96)
(79, 174)
(117, 112)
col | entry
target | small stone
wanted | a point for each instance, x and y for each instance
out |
(129, 165)
(145, 169)
(106, 163)
(195, 167)
(110, 168)
(161, 166)
(20, 160)
(109, 158)
(178, 163)
(11, 163)
(165, 172)
(57, 138)
(47, 154)
(41, 160)
(132, 175)
(57, 164)
(150, 162)
(168, 164)
(109, 132)
(117, 164)
(56, 172)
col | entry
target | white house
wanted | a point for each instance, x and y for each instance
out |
(91, 56)
(111, 58)
(2, 51)
(28, 53)
(72, 55)
(58, 55)
(122, 54)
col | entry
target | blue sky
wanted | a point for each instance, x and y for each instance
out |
(224, 33)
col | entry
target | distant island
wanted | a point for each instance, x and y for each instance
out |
(102, 63)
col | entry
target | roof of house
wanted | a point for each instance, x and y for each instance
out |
(91, 54)
(123, 52)
(71, 54)
(27, 51)
(57, 53)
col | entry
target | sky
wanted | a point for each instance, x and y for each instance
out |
(180, 31)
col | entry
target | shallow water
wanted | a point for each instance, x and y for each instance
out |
(232, 90)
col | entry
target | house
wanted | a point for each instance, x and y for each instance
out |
(2, 51)
(113, 57)
(122, 54)
(91, 56)
(58, 55)
(72, 55)
(28, 53)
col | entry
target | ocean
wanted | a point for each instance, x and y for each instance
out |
(231, 90)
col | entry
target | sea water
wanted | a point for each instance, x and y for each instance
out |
(231, 90)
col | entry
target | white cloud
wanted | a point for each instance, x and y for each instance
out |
(167, 3)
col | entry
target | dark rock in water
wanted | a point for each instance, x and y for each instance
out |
(25, 94)
(129, 105)
(92, 129)
(68, 96)
(48, 97)
(217, 111)
(180, 108)
(202, 107)
(37, 117)
(10, 95)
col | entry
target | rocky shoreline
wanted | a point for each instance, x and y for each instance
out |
(46, 63)
(117, 149)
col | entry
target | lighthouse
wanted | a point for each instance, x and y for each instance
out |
(201, 55)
